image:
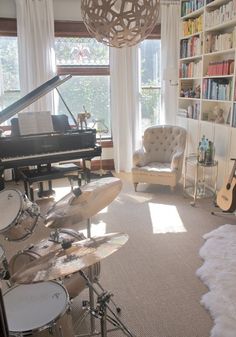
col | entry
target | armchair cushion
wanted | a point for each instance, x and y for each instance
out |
(161, 158)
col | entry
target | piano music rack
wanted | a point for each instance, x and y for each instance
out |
(49, 173)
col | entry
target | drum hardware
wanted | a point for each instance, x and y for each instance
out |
(102, 312)
(3, 318)
(79, 255)
(4, 267)
(74, 283)
(91, 292)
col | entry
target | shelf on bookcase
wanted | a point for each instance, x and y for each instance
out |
(189, 58)
(215, 4)
(189, 78)
(191, 35)
(216, 100)
(193, 14)
(219, 52)
(218, 76)
(223, 25)
(190, 98)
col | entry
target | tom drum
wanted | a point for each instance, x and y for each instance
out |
(18, 215)
(41, 309)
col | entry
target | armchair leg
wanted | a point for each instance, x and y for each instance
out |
(135, 186)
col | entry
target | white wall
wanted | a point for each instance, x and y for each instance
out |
(63, 9)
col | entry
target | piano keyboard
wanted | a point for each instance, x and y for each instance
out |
(45, 155)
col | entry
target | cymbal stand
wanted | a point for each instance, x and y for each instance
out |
(101, 312)
(92, 278)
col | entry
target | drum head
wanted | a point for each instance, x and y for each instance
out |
(32, 307)
(10, 204)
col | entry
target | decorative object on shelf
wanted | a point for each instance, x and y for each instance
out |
(198, 91)
(206, 151)
(82, 118)
(219, 113)
(120, 23)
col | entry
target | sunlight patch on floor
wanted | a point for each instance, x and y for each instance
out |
(60, 192)
(165, 219)
(97, 229)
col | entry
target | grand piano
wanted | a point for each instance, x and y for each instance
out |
(63, 144)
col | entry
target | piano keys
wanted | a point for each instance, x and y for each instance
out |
(65, 144)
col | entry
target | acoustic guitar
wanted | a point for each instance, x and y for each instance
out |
(226, 197)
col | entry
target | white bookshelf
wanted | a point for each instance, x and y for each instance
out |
(208, 45)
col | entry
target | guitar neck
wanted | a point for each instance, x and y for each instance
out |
(232, 174)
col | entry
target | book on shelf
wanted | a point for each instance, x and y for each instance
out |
(222, 14)
(218, 42)
(220, 68)
(190, 47)
(217, 89)
(190, 6)
(190, 69)
(192, 26)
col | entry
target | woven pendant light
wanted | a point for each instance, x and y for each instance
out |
(119, 23)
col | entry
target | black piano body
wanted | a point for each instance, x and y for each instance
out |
(71, 144)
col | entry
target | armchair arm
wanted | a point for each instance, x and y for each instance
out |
(140, 158)
(177, 160)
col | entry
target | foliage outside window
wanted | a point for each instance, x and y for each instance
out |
(9, 71)
(89, 88)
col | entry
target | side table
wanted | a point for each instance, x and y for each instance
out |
(198, 187)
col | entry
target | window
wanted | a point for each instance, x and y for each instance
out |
(89, 89)
(150, 82)
(9, 71)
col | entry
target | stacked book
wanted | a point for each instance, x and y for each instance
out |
(190, 6)
(190, 47)
(217, 89)
(192, 26)
(218, 42)
(222, 14)
(191, 69)
(220, 68)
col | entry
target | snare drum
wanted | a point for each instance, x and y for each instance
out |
(41, 309)
(74, 283)
(18, 215)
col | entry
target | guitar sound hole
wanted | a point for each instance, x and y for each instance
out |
(228, 186)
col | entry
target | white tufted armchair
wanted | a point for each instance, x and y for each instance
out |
(160, 160)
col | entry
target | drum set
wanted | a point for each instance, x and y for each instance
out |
(43, 278)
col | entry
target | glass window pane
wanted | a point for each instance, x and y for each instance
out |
(150, 107)
(91, 92)
(150, 62)
(9, 71)
(80, 51)
(150, 82)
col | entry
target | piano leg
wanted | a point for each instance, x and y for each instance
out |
(2, 181)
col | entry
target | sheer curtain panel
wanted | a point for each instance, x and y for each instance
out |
(35, 32)
(169, 59)
(125, 105)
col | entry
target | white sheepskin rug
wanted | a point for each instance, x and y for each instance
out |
(219, 273)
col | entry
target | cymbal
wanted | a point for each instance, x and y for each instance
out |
(73, 208)
(66, 261)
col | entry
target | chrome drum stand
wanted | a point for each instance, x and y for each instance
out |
(103, 312)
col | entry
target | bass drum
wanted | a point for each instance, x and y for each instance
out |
(74, 283)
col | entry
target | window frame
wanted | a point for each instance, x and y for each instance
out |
(65, 28)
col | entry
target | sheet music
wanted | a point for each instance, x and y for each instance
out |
(35, 122)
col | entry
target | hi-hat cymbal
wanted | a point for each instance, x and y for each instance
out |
(72, 209)
(62, 262)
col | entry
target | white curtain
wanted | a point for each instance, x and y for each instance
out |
(125, 105)
(35, 31)
(169, 59)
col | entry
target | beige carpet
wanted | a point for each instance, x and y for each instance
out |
(153, 276)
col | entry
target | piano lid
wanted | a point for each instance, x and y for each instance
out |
(31, 97)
